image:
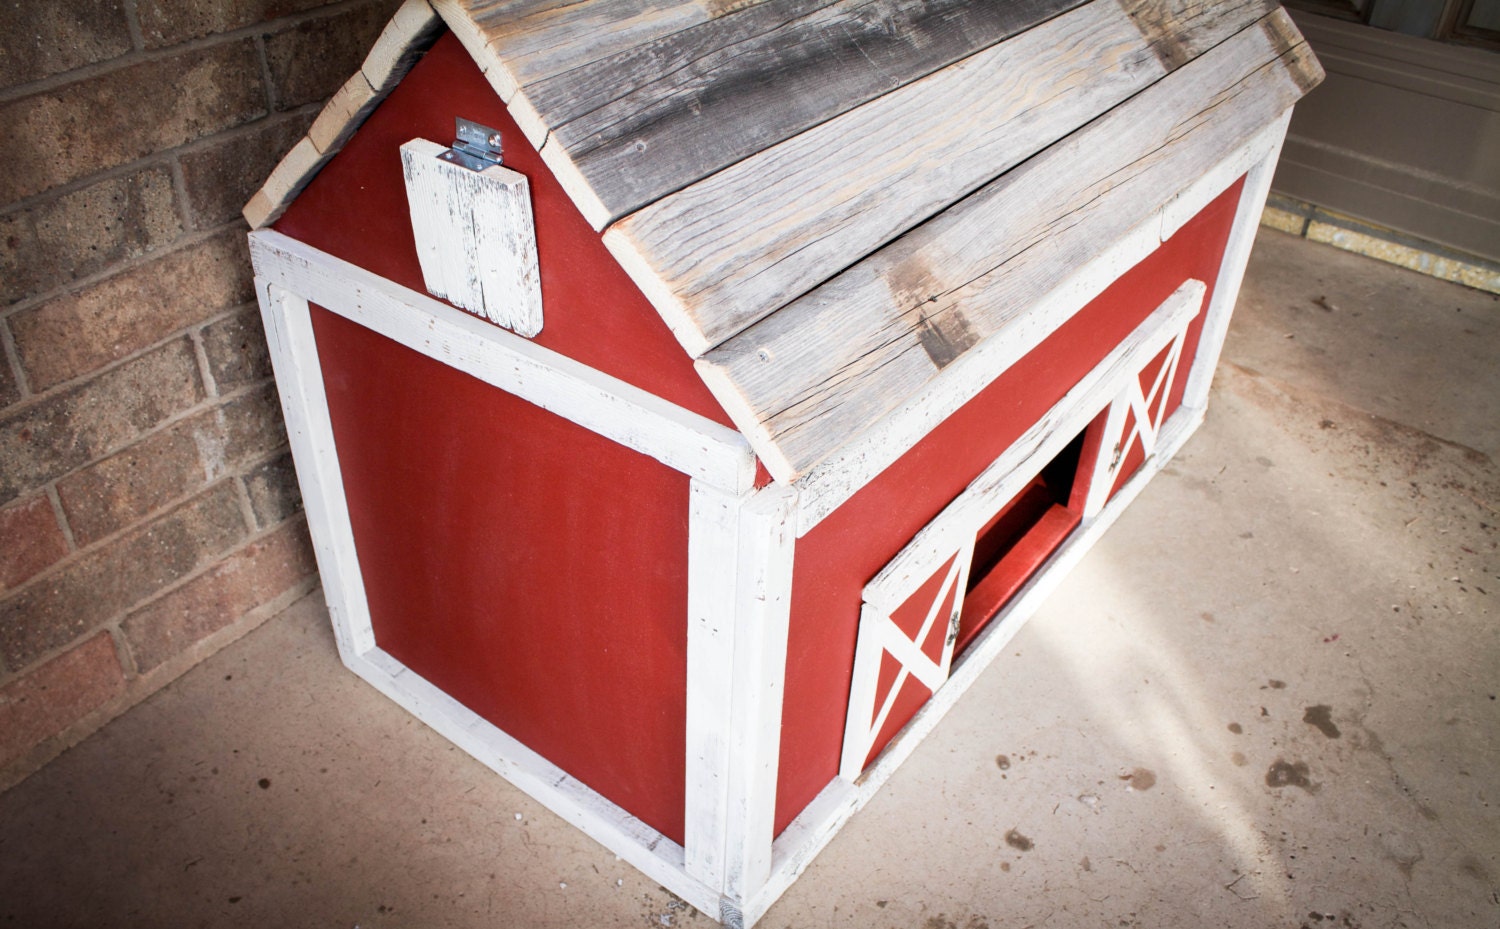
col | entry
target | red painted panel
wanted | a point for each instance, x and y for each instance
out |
(528, 567)
(839, 556)
(1014, 569)
(356, 209)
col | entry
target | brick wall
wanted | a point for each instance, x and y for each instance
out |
(148, 509)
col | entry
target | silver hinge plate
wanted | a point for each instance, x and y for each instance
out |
(475, 147)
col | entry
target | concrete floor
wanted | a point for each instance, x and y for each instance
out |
(1266, 699)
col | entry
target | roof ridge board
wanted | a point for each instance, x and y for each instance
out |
(656, 142)
(800, 228)
(841, 332)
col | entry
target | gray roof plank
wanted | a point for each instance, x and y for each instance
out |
(820, 371)
(657, 117)
(799, 211)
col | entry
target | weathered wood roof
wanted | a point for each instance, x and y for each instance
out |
(830, 202)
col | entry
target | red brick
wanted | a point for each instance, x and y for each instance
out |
(124, 488)
(236, 349)
(274, 494)
(49, 38)
(42, 440)
(128, 486)
(313, 59)
(80, 332)
(167, 22)
(219, 179)
(86, 231)
(256, 574)
(32, 540)
(69, 603)
(9, 393)
(54, 696)
(119, 116)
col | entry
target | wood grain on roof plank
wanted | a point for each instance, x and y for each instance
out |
(820, 371)
(802, 210)
(657, 117)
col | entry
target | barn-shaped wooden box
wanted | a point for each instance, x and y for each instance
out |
(686, 464)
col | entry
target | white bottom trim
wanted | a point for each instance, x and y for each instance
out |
(816, 826)
(655, 855)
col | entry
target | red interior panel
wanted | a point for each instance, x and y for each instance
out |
(533, 570)
(842, 553)
(356, 208)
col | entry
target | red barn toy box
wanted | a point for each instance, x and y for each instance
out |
(691, 398)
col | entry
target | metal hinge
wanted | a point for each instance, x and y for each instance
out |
(475, 147)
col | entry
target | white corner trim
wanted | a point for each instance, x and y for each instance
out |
(655, 855)
(739, 587)
(1232, 267)
(622, 412)
(299, 379)
(763, 580)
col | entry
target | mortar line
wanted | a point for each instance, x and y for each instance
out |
(62, 517)
(125, 265)
(13, 358)
(53, 82)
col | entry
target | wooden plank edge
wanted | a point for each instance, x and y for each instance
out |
(413, 28)
(816, 826)
(344, 112)
(713, 557)
(645, 849)
(1232, 269)
(456, 14)
(620, 411)
(668, 305)
(287, 180)
(593, 209)
(762, 619)
(304, 404)
(828, 484)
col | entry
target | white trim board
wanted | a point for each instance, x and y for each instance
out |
(816, 825)
(622, 412)
(299, 376)
(650, 852)
(1025, 458)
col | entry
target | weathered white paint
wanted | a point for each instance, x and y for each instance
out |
(476, 239)
(816, 826)
(880, 636)
(299, 379)
(1236, 257)
(713, 562)
(619, 411)
(763, 578)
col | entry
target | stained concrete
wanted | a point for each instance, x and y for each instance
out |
(1266, 698)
